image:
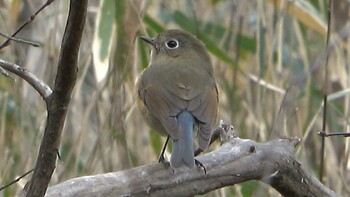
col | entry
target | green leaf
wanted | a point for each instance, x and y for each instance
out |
(144, 53)
(156, 141)
(185, 22)
(105, 27)
(247, 43)
(150, 22)
(248, 188)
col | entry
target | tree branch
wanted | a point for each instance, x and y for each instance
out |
(58, 101)
(41, 87)
(236, 161)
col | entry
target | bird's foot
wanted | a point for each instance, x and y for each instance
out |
(162, 160)
(200, 164)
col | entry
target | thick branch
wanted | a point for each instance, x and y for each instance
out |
(57, 103)
(41, 87)
(234, 162)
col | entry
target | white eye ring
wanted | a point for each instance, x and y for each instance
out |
(172, 44)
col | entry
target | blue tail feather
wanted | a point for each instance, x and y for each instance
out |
(182, 153)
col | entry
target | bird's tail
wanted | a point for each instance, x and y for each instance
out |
(182, 152)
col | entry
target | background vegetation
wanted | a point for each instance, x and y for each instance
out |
(261, 51)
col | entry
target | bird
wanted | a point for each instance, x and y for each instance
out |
(177, 93)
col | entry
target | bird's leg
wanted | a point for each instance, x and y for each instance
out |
(161, 158)
(200, 164)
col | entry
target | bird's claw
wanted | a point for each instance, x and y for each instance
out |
(200, 164)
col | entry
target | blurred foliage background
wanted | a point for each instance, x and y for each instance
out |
(261, 50)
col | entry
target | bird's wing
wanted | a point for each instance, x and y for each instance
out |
(164, 105)
(204, 108)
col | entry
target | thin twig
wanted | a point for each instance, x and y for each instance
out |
(16, 180)
(30, 19)
(20, 40)
(6, 74)
(237, 60)
(325, 92)
(324, 134)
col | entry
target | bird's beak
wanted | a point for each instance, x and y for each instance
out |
(149, 40)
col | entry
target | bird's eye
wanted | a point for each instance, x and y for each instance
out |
(172, 44)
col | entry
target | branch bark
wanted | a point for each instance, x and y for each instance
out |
(41, 87)
(236, 161)
(58, 101)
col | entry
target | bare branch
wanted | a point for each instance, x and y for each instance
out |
(30, 19)
(16, 180)
(41, 87)
(236, 161)
(324, 134)
(58, 101)
(34, 44)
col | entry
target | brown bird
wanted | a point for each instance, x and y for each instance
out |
(177, 93)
